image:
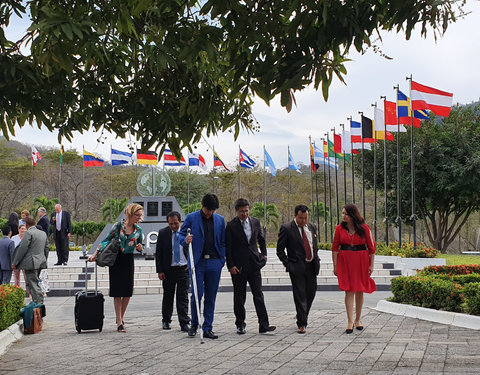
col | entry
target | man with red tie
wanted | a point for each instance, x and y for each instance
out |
(299, 238)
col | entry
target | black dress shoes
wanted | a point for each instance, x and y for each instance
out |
(241, 330)
(209, 335)
(192, 331)
(58, 264)
(64, 263)
(184, 327)
(267, 329)
(165, 325)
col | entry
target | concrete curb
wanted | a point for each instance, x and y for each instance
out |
(443, 317)
(10, 335)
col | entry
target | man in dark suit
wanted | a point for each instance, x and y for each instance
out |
(172, 269)
(301, 261)
(61, 233)
(208, 245)
(43, 220)
(244, 263)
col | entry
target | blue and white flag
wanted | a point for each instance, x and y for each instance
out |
(292, 164)
(246, 161)
(318, 158)
(121, 157)
(269, 163)
(197, 160)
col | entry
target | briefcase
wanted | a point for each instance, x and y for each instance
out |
(37, 322)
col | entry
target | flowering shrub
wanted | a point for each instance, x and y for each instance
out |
(472, 298)
(407, 250)
(428, 292)
(452, 270)
(11, 301)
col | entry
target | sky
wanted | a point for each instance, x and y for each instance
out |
(449, 64)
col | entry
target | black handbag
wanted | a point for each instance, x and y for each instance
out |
(109, 254)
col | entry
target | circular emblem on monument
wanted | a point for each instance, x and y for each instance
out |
(153, 182)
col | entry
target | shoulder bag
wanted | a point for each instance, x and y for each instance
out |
(109, 254)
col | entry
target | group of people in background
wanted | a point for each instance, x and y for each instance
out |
(24, 246)
(241, 244)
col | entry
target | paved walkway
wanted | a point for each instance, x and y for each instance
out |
(389, 344)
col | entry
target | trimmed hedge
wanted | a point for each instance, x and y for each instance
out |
(11, 302)
(406, 251)
(472, 298)
(464, 269)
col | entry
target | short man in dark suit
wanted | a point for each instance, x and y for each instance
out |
(207, 237)
(244, 262)
(43, 220)
(172, 269)
(301, 261)
(61, 233)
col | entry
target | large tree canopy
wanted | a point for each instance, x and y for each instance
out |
(447, 178)
(166, 70)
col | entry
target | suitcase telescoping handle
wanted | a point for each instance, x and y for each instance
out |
(86, 277)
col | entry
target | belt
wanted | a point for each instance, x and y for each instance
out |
(353, 247)
(179, 267)
(208, 256)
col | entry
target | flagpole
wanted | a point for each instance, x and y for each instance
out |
(188, 181)
(363, 170)
(83, 199)
(385, 168)
(264, 195)
(32, 184)
(288, 158)
(239, 186)
(329, 190)
(353, 168)
(214, 173)
(111, 183)
(325, 224)
(312, 165)
(317, 211)
(398, 219)
(60, 174)
(375, 176)
(336, 177)
(344, 166)
(413, 217)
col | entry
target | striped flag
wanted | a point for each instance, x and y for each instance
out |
(35, 156)
(91, 160)
(292, 164)
(217, 162)
(171, 160)
(424, 97)
(197, 160)
(246, 161)
(146, 157)
(121, 157)
(269, 163)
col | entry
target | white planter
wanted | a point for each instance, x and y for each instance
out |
(10, 335)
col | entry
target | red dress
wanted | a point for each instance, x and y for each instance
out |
(353, 265)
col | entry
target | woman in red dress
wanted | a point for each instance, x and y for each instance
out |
(353, 254)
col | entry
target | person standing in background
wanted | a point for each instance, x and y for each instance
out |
(61, 233)
(43, 220)
(7, 247)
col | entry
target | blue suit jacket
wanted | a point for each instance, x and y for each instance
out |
(194, 222)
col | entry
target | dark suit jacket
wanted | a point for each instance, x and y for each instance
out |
(239, 251)
(66, 225)
(194, 222)
(32, 251)
(163, 253)
(289, 238)
(45, 224)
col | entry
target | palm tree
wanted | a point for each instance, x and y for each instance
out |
(113, 208)
(43, 201)
(272, 213)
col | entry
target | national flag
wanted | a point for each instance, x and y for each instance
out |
(367, 130)
(35, 156)
(332, 152)
(313, 164)
(292, 164)
(404, 111)
(245, 161)
(62, 151)
(337, 144)
(147, 157)
(391, 117)
(321, 160)
(91, 160)
(170, 160)
(197, 160)
(379, 125)
(346, 142)
(424, 97)
(217, 162)
(121, 157)
(359, 145)
(380, 136)
(269, 163)
(356, 131)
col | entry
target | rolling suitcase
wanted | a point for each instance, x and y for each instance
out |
(89, 307)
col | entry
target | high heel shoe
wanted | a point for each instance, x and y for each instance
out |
(359, 327)
(349, 330)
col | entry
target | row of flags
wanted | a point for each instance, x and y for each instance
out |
(362, 134)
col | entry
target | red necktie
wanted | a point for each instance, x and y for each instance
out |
(306, 246)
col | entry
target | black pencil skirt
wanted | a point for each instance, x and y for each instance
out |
(121, 276)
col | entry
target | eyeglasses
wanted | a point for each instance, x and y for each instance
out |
(138, 215)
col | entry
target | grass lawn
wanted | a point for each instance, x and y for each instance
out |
(456, 259)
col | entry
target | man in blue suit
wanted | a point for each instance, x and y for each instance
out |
(207, 237)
